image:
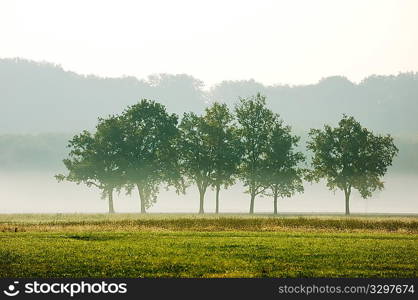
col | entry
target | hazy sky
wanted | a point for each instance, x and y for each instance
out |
(271, 41)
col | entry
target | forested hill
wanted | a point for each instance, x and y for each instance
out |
(41, 97)
(386, 104)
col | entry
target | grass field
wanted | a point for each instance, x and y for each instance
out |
(130, 245)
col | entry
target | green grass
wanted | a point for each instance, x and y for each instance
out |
(192, 246)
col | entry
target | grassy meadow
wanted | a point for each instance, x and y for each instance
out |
(161, 245)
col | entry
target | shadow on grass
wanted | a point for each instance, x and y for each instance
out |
(92, 237)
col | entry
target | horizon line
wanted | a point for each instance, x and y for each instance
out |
(204, 86)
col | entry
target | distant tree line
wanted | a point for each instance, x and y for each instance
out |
(32, 98)
(145, 148)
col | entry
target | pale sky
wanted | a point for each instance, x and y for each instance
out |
(294, 41)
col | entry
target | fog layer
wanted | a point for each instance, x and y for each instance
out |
(39, 192)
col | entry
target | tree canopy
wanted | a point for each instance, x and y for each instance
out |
(96, 160)
(256, 124)
(283, 174)
(225, 146)
(350, 157)
(149, 135)
(144, 148)
(195, 154)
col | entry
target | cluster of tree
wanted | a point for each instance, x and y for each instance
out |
(145, 148)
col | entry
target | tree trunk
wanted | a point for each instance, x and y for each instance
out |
(252, 203)
(217, 198)
(110, 196)
(201, 199)
(275, 202)
(347, 201)
(141, 199)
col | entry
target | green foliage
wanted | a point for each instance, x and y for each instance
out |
(195, 154)
(96, 160)
(209, 149)
(350, 156)
(283, 174)
(256, 124)
(144, 148)
(223, 140)
(149, 135)
(134, 149)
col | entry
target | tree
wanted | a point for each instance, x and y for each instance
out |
(196, 154)
(149, 135)
(224, 145)
(95, 159)
(283, 176)
(256, 126)
(350, 157)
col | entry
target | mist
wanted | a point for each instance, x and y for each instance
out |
(208, 139)
(39, 192)
(43, 106)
